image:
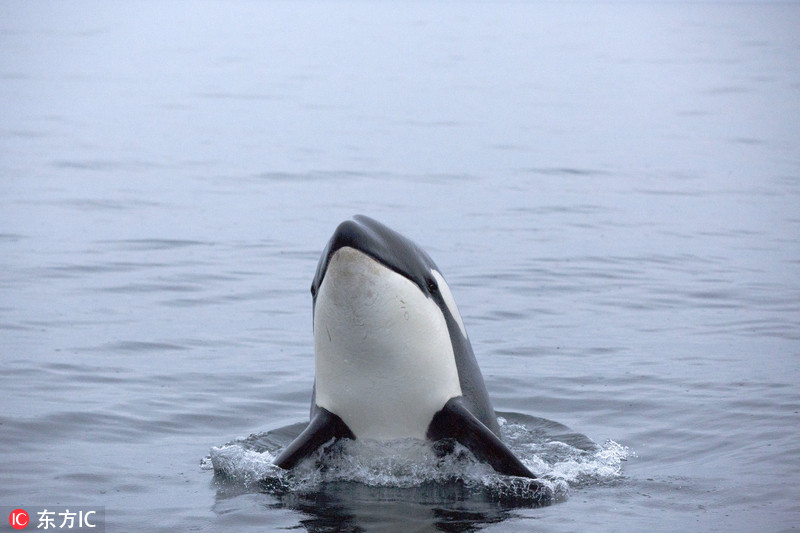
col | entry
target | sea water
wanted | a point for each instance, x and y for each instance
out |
(612, 191)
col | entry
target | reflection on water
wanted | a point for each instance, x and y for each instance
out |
(356, 507)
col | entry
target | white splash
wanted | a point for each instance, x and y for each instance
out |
(242, 465)
(409, 463)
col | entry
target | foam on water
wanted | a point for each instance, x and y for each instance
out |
(559, 465)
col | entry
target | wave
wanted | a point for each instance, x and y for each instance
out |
(561, 460)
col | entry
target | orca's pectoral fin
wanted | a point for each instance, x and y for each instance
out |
(455, 421)
(322, 428)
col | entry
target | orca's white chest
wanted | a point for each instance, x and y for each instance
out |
(383, 356)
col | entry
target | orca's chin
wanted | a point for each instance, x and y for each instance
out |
(384, 361)
(352, 285)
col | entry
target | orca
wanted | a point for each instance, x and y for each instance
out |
(392, 356)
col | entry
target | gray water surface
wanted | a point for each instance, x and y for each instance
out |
(612, 191)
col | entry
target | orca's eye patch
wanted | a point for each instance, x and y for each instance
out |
(432, 286)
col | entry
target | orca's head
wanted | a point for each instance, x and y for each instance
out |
(390, 250)
(385, 327)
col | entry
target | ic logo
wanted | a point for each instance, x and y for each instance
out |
(18, 519)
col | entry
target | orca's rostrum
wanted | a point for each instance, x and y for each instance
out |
(392, 356)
